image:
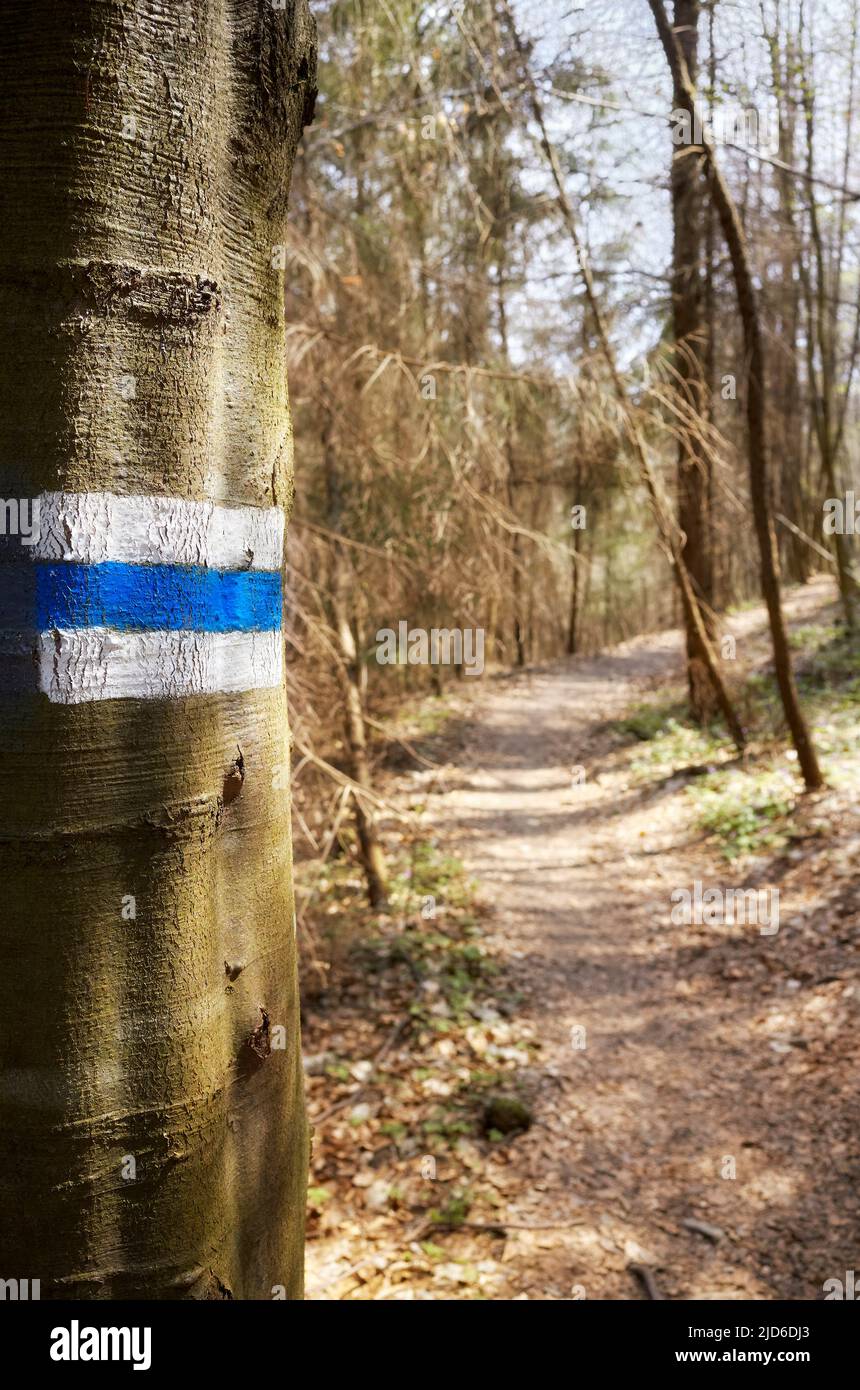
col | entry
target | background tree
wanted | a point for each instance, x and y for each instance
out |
(689, 198)
(760, 483)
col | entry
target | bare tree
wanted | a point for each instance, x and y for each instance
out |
(667, 528)
(756, 416)
(689, 201)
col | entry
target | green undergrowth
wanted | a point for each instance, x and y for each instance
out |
(664, 740)
(747, 811)
(827, 669)
(431, 906)
(749, 806)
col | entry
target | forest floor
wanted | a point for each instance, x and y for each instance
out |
(690, 1091)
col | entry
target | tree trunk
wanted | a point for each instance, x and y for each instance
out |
(511, 497)
(152, 1135)
(793, 292)
(688, 215)
(369, 844)
(349, 678)
(573, 614)
(754, 346)
(824, 383)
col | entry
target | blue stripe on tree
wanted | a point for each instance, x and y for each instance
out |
(166, 597)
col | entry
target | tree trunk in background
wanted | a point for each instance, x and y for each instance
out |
(788, 399)
(349, 677)
(666, 527)
(516, 558)
(824, 325)
(787, 392)
(689, 203)
(153, 1135)
(370, 847)
(511, 483)
(575, 587)
(719, 567)
(794, 289)
(759, 487)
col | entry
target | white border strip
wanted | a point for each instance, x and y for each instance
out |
(94, 527)
(94, 663)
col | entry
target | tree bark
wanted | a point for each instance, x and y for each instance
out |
(152, 1136)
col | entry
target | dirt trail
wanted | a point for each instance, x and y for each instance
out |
(695, 1095)
(678, 1073)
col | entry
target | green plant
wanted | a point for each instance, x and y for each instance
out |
(744, 809)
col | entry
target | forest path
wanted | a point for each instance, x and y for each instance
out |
(691, 1098)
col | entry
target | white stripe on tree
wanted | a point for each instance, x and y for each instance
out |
(94, 527)
(84, 664)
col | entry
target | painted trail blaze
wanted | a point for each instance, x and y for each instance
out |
(160, 597)
(143, 598)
